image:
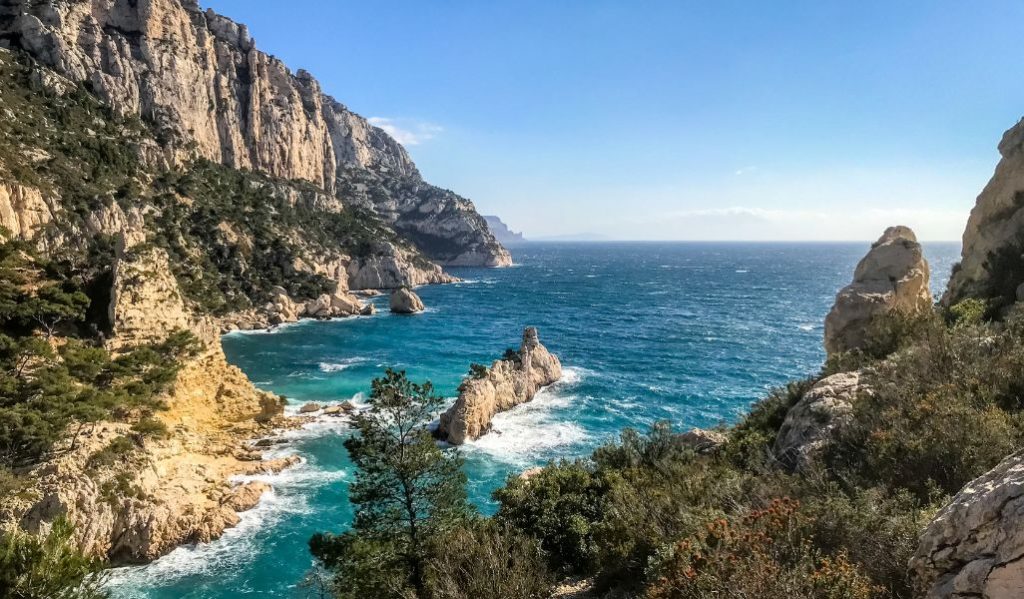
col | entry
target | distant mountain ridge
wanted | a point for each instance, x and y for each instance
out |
(502, 233)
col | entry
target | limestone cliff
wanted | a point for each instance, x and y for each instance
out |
(892, 277)
(506, 384)
(993, 241)
(158, 491)
(199, 80)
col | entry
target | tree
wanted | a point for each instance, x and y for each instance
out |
(47, 567)
(407, 492)
(51, 306)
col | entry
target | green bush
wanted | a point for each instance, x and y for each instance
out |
(763, 553)
(559, 506)
(47, 567)
(484, 560)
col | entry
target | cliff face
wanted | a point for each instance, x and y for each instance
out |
(993, 241)
(199, 79)
(502, 233)
(506, 384)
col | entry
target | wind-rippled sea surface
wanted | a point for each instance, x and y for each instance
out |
(689, 332)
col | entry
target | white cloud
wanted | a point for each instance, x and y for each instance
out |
(405, 131)
(746, 170)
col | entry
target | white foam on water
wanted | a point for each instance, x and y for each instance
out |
(340, 364)
(808, 326)
(237, 545)
(531, 430)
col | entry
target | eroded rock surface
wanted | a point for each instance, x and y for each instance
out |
(994, 235)
(200, 79)
(974, 547)
(506, 384)
(892, 277)
(817, 418)
(405, 301)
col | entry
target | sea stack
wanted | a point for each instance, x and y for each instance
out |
(892, 277)
(513, 380)
(404, 301)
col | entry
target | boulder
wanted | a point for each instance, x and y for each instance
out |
(974, 547)
(892, 277)
(702, 441)
(506, 384)
(817, 418)
(404, 301)
(309, 407)
(332, 411)
(345, 304)
(368, 310)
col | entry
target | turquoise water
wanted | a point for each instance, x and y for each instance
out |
(690, 332)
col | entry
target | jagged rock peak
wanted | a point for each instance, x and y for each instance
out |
(198, 78)
(892, 277)
(993, 241)
(507, 383)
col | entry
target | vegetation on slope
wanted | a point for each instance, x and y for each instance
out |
(647, 516)
(232, 234)
(48, 382)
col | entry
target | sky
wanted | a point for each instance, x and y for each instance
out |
(648, 119)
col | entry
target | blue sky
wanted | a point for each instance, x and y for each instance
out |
(677, 120)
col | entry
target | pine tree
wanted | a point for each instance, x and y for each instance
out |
(47, 567)
(407, 492)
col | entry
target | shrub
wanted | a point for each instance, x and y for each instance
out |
(47, 567)
(559, 506)
(112, 453)
(151, 427)
(486, 560)
(765, 553)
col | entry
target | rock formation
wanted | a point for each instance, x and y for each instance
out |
(198, 77)
(974, 547)
(817, 418)
(993, 242)
(506, 384)
(405, 301)
(701, 440)
(502, 233)
(892, 277)
(164, 491)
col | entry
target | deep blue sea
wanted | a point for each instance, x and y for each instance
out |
(688, 332)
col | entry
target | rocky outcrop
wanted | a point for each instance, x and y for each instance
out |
(702, 441)
(994, 236)
(23, 211)
(145, 301)
(502, 233)
(390, 267)
(405, 301)
(817, 418)
(199, 79)
(974, 547)
(892, 277)
(506, 384)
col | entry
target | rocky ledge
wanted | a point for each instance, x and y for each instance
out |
(974, 547)
(509, 382)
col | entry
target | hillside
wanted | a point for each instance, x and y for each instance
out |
(163, 181)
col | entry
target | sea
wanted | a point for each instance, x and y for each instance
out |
(692, 333)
